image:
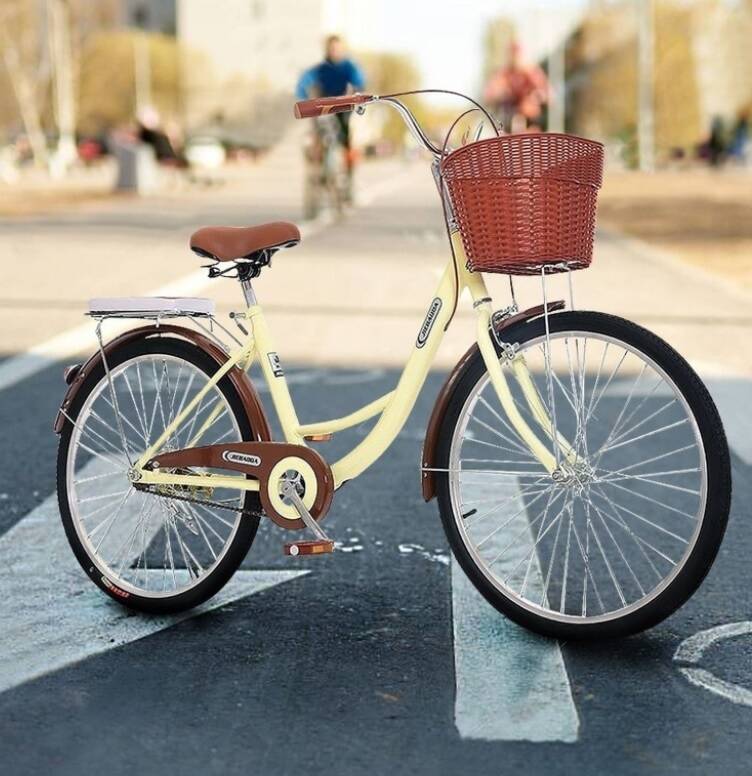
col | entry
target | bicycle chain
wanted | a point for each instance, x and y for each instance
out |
(202, 502)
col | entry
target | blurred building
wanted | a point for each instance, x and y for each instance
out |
(722, 36)
(243, 60)
(240, 59)
(153, 16)
(703, 69)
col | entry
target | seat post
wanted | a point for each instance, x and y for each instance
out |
(248, 292)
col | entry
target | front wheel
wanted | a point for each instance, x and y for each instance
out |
(628, 526)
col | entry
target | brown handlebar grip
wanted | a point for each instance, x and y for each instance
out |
(322, 106)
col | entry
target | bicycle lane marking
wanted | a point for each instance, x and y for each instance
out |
(511, 685)
(53, 616)
(691, 651)
(79, 338)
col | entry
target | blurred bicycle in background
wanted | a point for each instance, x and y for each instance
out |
(328, 153)
(328, 182)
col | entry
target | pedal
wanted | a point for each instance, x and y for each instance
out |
(318, 437)
(318, 546)
(310, 547)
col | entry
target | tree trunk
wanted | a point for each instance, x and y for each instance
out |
(25, 94)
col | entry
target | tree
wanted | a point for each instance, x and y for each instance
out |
(27, 67)
(106, 86)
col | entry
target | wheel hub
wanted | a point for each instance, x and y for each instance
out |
(575, 477)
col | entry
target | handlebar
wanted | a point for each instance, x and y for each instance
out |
(323, 106)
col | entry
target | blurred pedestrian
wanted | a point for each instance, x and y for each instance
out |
(716, 143)
(517, 92)
(739, 147)
(149, 131)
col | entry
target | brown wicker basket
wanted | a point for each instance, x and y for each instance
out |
(525, 202)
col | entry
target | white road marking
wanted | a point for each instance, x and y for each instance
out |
(81, 338)
(511, 685)
(732, 397)
(52, 615)
(691, 651)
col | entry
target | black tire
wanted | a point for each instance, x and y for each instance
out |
(241, 543)
(714, 520)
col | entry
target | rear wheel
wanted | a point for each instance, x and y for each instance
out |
(152, 553)
(629, 525)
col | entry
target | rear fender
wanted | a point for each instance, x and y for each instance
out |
(248, 395)
(430, 445)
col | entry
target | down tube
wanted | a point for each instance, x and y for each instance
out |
(405, 394)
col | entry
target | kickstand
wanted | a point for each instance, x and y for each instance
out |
(322, 543)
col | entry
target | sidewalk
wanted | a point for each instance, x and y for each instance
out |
(353, 293)
(357, 294)
(701, 214)
(52, 264)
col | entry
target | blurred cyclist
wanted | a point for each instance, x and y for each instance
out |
(517, 92)
(336, 75)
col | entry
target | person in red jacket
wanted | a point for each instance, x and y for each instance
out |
(517, 92)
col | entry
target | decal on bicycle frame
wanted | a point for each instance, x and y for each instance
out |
(242, 458)
(428, 323)
(276, 364)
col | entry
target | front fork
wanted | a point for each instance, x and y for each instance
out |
(516, 361)
(540, 414)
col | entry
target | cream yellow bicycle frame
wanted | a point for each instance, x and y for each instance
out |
(393, 408)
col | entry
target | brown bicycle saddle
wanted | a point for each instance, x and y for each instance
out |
(229, 243)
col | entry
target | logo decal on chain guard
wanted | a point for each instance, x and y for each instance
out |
(242, 458)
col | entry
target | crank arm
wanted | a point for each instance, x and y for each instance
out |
(288, 490)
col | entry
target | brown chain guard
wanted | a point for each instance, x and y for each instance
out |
(269, 454)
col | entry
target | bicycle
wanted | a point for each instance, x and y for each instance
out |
(580, 466)
(327, 180)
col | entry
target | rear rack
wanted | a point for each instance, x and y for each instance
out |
(151, 307)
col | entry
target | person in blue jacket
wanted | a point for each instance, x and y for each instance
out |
(335, 76)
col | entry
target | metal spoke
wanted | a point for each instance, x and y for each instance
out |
(519, 445)
(500, 504)
(645, 435)
(639, 517)
(653, 459)
(652, 500)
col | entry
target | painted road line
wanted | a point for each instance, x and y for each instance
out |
(511, 685)
(52, 615)
(732, 395)
(691, 651)
(82, 338)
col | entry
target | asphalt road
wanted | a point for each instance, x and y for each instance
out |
(363, 664)
(350, 668)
